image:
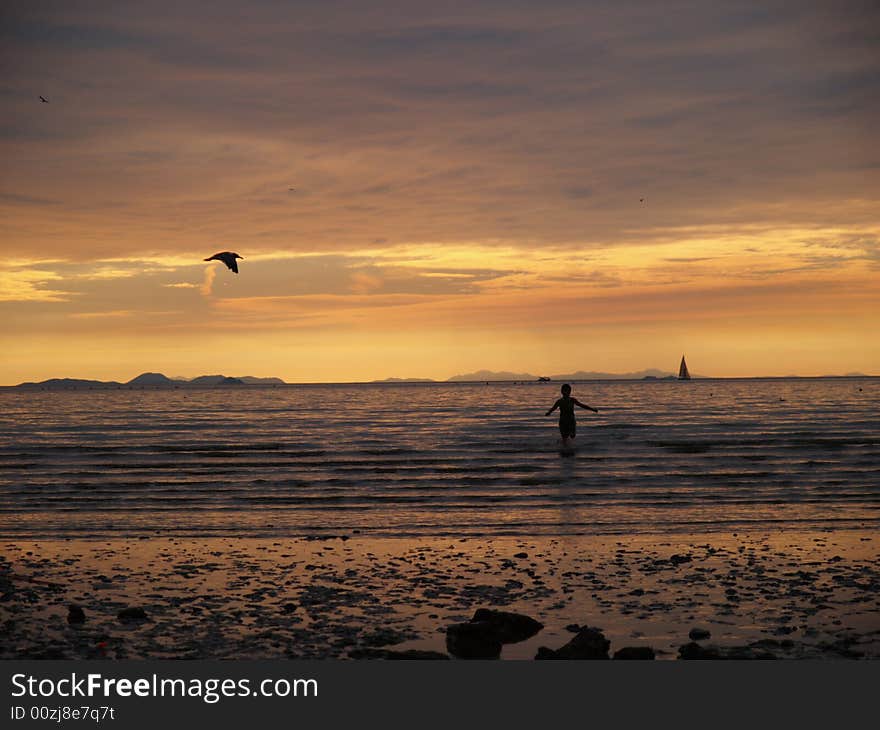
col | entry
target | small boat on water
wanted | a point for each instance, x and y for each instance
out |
(683, 373)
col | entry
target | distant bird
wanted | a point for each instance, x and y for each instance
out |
(228, 258)
(44, 100)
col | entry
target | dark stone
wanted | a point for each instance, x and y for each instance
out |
(509, 627)
(679, 559)
(784, 630)
(389, 654)
(586, 644)
(289, 608)
(76, 615)
(52, 652)
(367, 653)
(417, 654)
(483, 635)
(383, 637)
(132, 614)
(473, 640)
(573, 628)
(755, 650)
(521, 555)
(699, 634)
(695, 651)
(634, 652)
(746, 652)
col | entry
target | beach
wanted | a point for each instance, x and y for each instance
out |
(756, 595)
(243, 523)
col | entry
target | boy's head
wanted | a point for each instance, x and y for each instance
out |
(566, 390)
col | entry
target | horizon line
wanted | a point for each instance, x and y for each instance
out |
(430, 381)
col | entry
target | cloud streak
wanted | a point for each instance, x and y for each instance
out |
(208, 282)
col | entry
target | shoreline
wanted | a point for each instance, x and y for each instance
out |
(793, 594)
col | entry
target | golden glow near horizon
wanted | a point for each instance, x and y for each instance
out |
(491, 190)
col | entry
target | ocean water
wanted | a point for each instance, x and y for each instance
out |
(440, 459)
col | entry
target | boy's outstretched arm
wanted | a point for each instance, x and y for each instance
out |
(555, 406)
(584, 405)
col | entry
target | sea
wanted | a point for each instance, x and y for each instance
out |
(440, 459)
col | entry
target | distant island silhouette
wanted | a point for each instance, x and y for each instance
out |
(491, 375)
(505, 375)
(153, 380)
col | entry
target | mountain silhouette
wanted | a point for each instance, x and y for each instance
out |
(491, 375)
(152, 380)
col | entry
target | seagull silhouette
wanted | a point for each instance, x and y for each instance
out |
(228, 258)
(45, 101)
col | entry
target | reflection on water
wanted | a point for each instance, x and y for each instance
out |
(439, 459)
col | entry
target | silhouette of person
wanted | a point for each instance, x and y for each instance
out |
(567, 421)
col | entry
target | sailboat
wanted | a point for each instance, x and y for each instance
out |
(683, 373)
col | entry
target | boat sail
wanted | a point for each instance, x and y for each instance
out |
(683, 373)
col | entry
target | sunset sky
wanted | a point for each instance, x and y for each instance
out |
(541, 187)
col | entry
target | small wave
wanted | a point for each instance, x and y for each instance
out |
(684, 447)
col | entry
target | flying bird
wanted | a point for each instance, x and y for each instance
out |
(228, 258)
(44, 100)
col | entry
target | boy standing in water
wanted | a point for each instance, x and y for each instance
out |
(567, 422)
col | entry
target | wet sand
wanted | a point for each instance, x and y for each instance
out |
(789, 594)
